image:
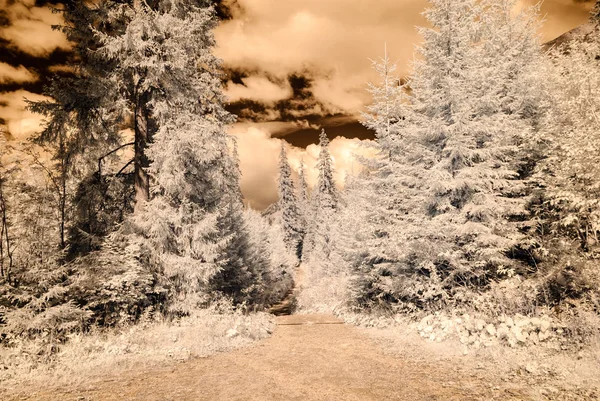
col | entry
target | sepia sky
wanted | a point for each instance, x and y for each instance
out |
(292, 67)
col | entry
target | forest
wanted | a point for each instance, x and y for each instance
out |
(479, 214)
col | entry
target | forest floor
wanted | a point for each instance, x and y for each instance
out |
(317, 357)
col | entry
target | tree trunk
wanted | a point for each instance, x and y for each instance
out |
(62, 196)
(5, 238)
(143, 136)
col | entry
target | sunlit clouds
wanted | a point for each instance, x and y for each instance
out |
(30, 28)
(19, 122)
(20, 74)
(259, 160)
(332, 42)
(293, 66)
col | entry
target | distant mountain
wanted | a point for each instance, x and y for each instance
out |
(581, 34)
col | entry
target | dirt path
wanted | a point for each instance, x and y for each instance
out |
(309, 357)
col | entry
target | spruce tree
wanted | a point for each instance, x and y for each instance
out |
(289, 206)
(192, 229)
(323, 206)
(303, 201)
(569, 205)
(385, 115)
(444, 203)
(382, 205)
(82, 117)
(466, 117)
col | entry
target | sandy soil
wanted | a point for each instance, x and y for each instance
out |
(309, 357)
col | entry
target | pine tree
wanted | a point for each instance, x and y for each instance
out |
(303, 196)
(466, 119)
(82, 118)
(385, 115)
(438, 199)
(289, 206)
(324, 205)
(303, 201)
(569, 206)
(192, 228)
(6, 245)
(325, 193)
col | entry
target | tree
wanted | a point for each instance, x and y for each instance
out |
(192, 228)
(288, 205)
(569, 206)
(443, 207)
(386, 113)
(303, 202)
(382, 208)
(324, 205)
(6, 246)
(82, 117)
(466, 117)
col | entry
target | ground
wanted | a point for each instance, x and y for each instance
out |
(318, 357)
(308, 357)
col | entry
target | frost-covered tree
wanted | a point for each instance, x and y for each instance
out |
(6, 245)
(443, 207)
(466, 115)
(303, 195)
(570, 172)
(192, 228)
(268, 247)
(386, 114)
(324, 203)
(291, 216)
(382, 208)
(82, 117)
(325, 194)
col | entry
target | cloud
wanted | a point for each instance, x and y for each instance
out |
(19, 122)
(331, 42)
(29, 28)
(61, 68)
(20, 74)
(313, 38)
(259, 89)
(259, 161)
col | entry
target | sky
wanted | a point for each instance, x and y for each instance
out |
(292, 67)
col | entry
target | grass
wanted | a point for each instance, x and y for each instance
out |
(149, 344)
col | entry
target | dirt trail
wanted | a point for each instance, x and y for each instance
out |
(309, 357)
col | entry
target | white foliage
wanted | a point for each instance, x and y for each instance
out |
(291, 214)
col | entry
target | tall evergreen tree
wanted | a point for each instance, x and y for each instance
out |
(82, 117)
(325, 193)
(381, 211)
(6, 245)
(570, 204)
(192, 228)
(303, 201)
(324, 204)
(303, 195)
(288, 205)
(465, 115)
(385, 115)
(444, 204)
